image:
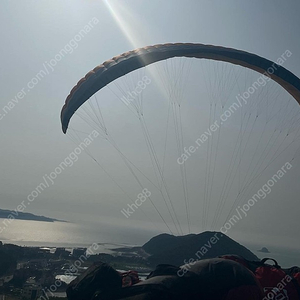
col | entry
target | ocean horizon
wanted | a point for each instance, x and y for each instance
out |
(70, 235)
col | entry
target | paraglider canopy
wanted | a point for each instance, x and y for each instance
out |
(199, 138)
(133, 60)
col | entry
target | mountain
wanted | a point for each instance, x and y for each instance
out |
(178, 250)
(15, 214)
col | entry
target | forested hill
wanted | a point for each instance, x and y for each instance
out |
(169, 249)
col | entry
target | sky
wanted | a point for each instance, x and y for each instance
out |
(32, 142)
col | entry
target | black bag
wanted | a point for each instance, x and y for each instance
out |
(99, 277)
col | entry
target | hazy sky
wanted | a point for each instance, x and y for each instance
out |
(32, 143)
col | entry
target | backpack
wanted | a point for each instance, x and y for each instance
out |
(277, 283)
(99, 277)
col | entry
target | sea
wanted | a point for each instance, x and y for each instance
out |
(57, 234)
(70, 235)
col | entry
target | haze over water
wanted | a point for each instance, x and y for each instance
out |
(59, 234)
(33, 233)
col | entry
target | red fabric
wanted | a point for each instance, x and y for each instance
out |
(276, 283)
(130, 278)
(297, 277)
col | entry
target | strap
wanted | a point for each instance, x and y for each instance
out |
(263, 261)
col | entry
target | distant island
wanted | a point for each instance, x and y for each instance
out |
(15, 214)
(264, 250)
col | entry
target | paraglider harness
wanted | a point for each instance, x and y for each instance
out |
(210, 279)
(276, 282)
(227, 277)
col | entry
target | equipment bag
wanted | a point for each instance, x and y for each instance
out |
(277, 283)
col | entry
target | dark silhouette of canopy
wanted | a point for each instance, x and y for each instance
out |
(133, 60)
